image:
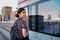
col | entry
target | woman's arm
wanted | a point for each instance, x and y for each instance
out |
(24, 32)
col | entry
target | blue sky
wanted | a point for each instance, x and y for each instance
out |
(56, 3)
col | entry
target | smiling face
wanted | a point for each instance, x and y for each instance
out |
(22, 14)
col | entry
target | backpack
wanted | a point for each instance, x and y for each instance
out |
(12, 34)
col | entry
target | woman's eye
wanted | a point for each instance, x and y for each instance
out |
(24, 12)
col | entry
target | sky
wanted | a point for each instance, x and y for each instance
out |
(11, 3)
(52, 3)
(51, 7)
(56, 3)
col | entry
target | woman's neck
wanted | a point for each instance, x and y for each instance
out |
(21, 18)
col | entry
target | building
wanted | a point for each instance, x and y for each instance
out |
(0, 18)
(6, 13)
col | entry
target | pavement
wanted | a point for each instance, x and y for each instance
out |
(5, 30)
(3, 37)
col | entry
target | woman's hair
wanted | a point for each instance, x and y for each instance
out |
(19, 11)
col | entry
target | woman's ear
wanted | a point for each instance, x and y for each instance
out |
(19, 14)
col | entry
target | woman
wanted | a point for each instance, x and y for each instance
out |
(20, 25)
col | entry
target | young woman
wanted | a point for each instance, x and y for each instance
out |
(20, 25)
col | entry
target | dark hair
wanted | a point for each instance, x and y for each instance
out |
(19, 11)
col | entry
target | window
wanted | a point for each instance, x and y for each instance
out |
(48, 11)
(26, 19)
(37, 22)
(32, 11)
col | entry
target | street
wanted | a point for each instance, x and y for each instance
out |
(5, 31)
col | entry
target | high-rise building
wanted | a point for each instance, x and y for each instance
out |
(6, 13)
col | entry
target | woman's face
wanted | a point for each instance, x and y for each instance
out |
(22, 14)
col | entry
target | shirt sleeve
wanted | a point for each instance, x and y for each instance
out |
(23, 25)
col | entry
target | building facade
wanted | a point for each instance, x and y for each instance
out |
(6, 13)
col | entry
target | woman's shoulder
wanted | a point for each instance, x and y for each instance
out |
(19, 20)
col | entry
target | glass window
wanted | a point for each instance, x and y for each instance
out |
(32, 12)
(26, 18)
(26, 8)
(43, 22)
(49, 12)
